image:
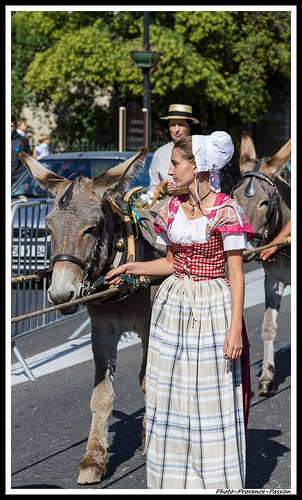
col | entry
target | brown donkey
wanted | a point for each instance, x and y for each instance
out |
(87, 236)
(264, 195)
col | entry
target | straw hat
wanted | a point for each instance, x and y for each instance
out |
(180, 111)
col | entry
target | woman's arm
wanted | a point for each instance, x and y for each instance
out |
(233, 342)
(158, 267)
(285, 231)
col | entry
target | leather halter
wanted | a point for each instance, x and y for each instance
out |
(62, 257)
(66, 257)
(250, 191)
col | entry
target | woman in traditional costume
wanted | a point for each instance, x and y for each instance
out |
(197, 377)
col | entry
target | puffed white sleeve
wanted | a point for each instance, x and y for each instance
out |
(234, 241)
(163, 239)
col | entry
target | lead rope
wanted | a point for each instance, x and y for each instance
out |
(100, 295)
(141, 283)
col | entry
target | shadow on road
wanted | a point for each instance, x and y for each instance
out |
(49, 457)
(127, 431)
(262, 456)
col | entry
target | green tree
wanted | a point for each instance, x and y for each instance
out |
(226, 64)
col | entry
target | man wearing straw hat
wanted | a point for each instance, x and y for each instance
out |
(180, 119)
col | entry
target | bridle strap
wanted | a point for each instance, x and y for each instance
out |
(254, 174)
(250, 189)
(66, 257)
(258, 175)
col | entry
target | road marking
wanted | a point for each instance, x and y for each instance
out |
(68, 354)
(79, 350)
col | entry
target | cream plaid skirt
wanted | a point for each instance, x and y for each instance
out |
(195, 436)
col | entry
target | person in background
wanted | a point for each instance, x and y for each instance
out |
(18, 144)
(21, 127)
(43, 149)
(180, 118)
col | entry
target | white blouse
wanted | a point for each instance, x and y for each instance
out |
(183, 230)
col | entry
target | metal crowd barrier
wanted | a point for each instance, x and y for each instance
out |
(30, 251)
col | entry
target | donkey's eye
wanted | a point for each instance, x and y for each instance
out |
(263, 204)
(90, 231)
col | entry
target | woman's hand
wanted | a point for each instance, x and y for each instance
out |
(157, 267)
(232, 347)
(171, 187)
(285, 232)
(116, 272)
(266, 254)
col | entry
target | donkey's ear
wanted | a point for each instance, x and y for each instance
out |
(48, 179)
(247, 153)
(276, 162)
(115, 180)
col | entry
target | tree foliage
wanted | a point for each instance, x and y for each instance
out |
(225, 64)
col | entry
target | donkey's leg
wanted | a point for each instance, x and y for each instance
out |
(269, 331)
(93, 466)
(273, 295)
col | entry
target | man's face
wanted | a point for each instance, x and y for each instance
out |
(179, 128)
(13, 128)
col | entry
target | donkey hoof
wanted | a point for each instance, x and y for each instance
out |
(91, 475)
(93, 465)
(266, 388)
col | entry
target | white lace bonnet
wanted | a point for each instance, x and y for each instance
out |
(212, 152)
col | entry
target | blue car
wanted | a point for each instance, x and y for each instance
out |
(30, 240)
(90, 164)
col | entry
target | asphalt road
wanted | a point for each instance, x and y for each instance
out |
(50, 418)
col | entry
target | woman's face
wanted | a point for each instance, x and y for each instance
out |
(182, 171)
